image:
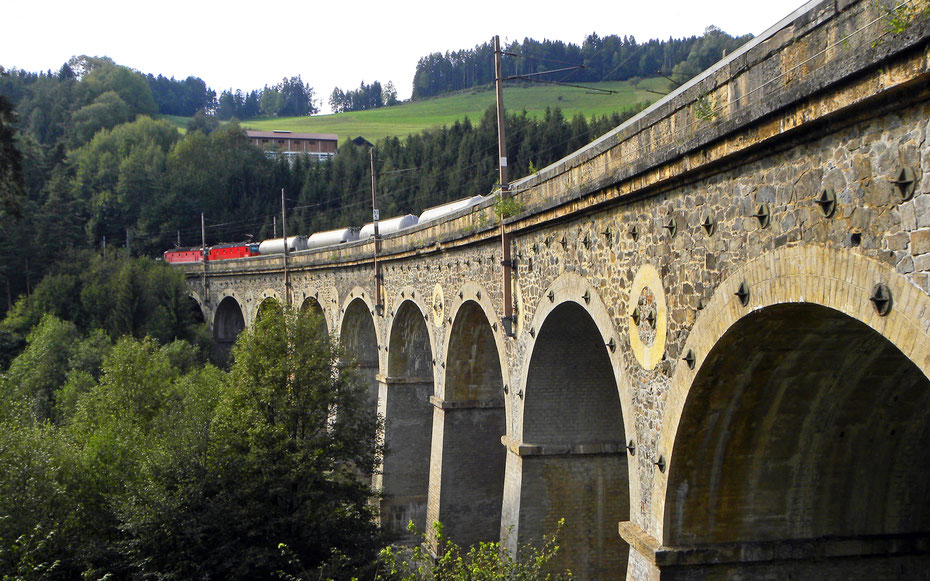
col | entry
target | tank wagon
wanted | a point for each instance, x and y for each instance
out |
(317, 239)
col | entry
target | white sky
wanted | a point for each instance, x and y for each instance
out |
(246, 45)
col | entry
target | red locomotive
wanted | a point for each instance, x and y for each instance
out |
(218, 252)
(184, 255)
(227, 251)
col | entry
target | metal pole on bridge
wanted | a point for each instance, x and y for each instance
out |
(287, 282)
(379, 304)
(203, 255)
(508, 319)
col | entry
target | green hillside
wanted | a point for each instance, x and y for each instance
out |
(413, 117)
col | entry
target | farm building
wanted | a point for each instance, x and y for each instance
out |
(320, 145)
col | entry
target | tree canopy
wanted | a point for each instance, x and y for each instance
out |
(130, 457)
(365, 97)
(608, 58)
(11, 171)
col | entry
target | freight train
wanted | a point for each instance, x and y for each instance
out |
(318, 239)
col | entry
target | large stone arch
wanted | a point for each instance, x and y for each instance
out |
(358, 335)
(310, 305)
(264, 299)
(404, 402)
(801, 432)
(356, 295)
(205, 312)
(467, 464)
(570, 460)
(267, 304)
(321, 301)
(228, 322)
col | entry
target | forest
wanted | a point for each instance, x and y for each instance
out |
(609, 58)
(126, 453)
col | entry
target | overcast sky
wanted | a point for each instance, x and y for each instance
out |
(331, 43)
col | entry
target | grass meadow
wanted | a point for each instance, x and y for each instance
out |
(412, 117)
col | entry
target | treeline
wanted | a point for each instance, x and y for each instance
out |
(365, 97)
(183, 98)
(609, 58)
(290, 98)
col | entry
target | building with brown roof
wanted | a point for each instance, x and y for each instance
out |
(319, 145)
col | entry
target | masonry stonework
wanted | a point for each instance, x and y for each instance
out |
(701, 382)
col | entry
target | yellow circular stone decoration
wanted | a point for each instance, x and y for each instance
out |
(646, 317)
(439, 305)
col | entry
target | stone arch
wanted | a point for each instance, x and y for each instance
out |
(802, 429)
(411, 331)
(263, 302)
(310, 304)
(228, 322)
(201, 305)
(476, 297)
(467, 464)
(267, 304)
(404, 402)
(196, 310)
(359, 338)
(364, 299)
(571, 460)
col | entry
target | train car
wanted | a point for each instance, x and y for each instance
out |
(437, 212)
(388, 226)
(332, 237)
(227, 251)
(276, 245)
(184, 255)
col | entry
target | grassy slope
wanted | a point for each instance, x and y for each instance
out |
(407, 118)
(180, 122)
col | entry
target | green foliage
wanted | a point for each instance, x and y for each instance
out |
(705, 107)
(484, 561)
(290, 97)
(11, 171)
(365, 97)
(298, 435)
(203, 122)
(898, 17)
(131, 87)
(611, 57)
(138, 297)
(35, 375)
(158, 466)
(106, 112)
(506, 207)
(35, 467)
(120, 174)
(184, 98)
(25, 556)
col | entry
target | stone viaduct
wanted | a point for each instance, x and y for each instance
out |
(721, 341)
